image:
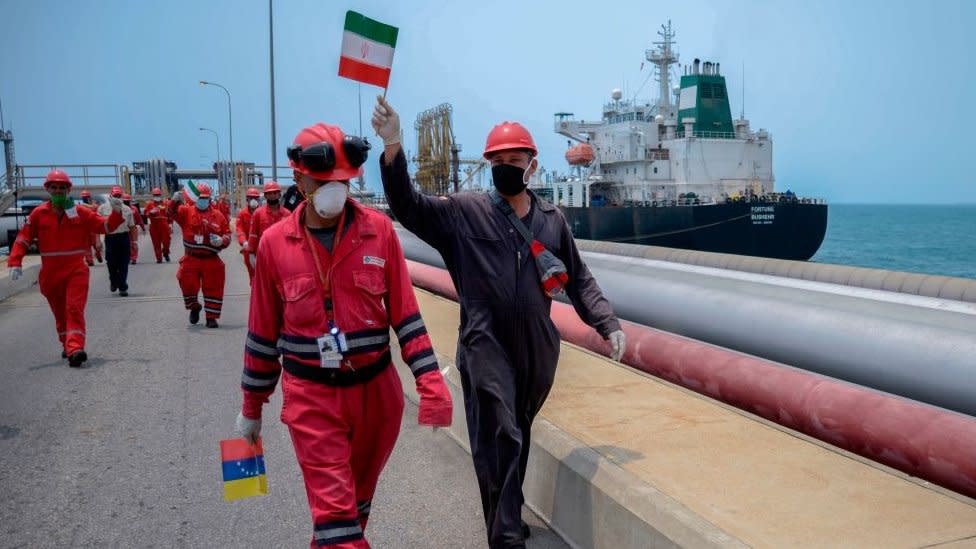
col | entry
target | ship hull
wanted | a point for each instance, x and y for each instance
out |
(778, 230)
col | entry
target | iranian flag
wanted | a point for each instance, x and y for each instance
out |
(190, 192)
(367, 50)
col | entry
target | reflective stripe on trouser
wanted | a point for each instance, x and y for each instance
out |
(159, 234)
(206, 273)
(117, 259)
(343, 437)
(65, 286)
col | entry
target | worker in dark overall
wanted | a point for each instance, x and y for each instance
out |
(508, 346)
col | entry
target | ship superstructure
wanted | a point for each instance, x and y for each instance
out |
(684, 148)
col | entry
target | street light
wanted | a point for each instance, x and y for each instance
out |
(218, 140)
(230, 124)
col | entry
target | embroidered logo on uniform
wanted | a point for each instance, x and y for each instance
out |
(370, 260)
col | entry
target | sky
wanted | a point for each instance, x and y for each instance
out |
(866, 101)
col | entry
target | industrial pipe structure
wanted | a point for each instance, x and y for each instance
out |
(934, 444)
(923, 353)
(945, 287)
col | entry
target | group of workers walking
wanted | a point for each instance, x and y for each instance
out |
(329, 283)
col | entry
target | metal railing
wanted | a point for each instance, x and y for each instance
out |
(82, 175)
(702, 134)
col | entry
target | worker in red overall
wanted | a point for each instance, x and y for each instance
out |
(96, 243)
(223, 205)
(134, 233)
(266, 215)
(331, 281)
(63, 233)
(243, 229)
(157, 212)
(205, 233)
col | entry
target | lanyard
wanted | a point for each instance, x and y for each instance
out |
(325, 277)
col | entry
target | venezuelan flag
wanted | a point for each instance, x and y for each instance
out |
(243, 466)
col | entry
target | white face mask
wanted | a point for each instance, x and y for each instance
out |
(158, 199)
(252, 203)
(329, 199)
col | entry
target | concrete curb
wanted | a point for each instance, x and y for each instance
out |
(587, 500)
(27, 281)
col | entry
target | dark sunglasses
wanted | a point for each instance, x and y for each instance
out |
(321, 157)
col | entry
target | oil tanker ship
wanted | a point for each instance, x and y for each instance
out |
(680, 172)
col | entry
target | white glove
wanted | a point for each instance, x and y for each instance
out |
(216, 241)
(16, 273)
(618, 344)
(386, 122)
(249, 429)
(116, 203)
(246, 246)
(253, 259)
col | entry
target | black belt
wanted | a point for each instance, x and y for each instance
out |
(335, 376)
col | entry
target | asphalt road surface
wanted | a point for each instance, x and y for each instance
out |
(124, 453)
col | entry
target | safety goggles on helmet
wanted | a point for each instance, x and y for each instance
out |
(321, 157)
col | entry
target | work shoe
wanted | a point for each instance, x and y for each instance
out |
(64, 354)
(133, 262)
(124, 293)
(211, 323)
(114, 287)
(76, 359)
(526, 532)
(166, 256)
(99, 257)
(194, 316)
(159, 261)
(90, 263)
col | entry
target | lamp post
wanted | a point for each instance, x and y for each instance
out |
(230, 125)
(218, 140)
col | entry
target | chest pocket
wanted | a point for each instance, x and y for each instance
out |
(371, 281)
(303, 301)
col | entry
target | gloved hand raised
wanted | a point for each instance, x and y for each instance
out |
(16, 273)
(618, 344)
(116, 203)
(386, 122)
(249, 429)
(216, 241)
(435, 400)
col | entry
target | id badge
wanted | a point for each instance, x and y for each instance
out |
(330, 355)
(198, 238)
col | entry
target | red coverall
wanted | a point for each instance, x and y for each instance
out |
(200, 263)
(243, 230)
(63, 279)
(343, 421)
(134, 233)
(159, 230)
(223, 206)
(261, 219)
(95, 241)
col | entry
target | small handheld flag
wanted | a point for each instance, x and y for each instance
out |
(243, 469)
(367, 50)
(190, 192)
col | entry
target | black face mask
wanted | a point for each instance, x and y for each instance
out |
(126, 202)
(86, 200)
(508, 179)
(273, 202)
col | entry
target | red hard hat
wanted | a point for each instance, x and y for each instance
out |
(126, 197)
(85, 194)
(157, 192)
(252, 192)
(271, 187)
(117, 191)
(57, 176)
(333, 135)
(507, 136)
(203, 190)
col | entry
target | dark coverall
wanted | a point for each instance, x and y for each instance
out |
(507, 346)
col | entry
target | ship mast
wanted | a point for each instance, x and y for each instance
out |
(662, 58)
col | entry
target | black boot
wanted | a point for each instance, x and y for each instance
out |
(76, 359)
(211, 323)
(64, 354)
(526, 532)
(194, 316)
